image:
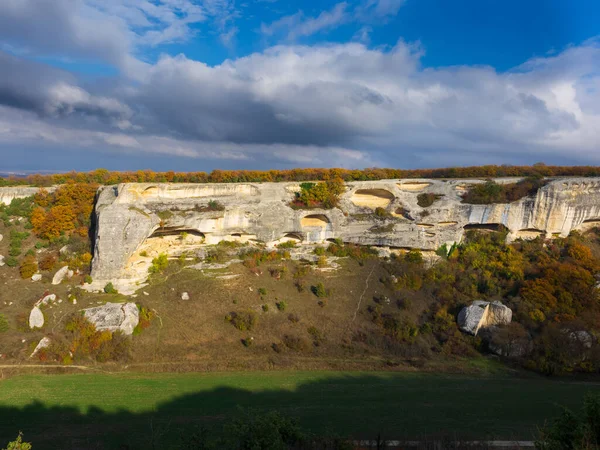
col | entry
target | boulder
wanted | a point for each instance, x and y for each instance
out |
(114, 316)
(59, 276)
(44, 343)
(2, 263)
(46, 299)
(36, 277)
(185, 296)
(482, 314)
(36, 318)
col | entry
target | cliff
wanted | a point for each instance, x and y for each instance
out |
(137, 221)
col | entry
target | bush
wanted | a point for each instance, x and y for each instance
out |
(3, 324)
(159, 264)
(265, 308)
(48, 262)
(262, 291)
(425, 200)
(88, 279)
(381, 212)
(319, 290)
(287, 244)
(18, 443)
(248, 341)
(243, 321)
(294, 318)
(144, 254)
(317, 336)
(11, 261)
(319, 251)
(322, 261)
(281, 306)
(110, 289)
(28, 267)
(296, 343)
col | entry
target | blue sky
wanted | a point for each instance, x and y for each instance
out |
(259, 84)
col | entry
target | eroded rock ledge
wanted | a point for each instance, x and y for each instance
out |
(130, 216)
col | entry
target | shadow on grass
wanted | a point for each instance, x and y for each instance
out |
(395, 406)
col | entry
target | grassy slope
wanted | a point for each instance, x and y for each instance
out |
(359, 404)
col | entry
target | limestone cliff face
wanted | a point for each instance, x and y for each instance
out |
(130, 216)
(8, 194)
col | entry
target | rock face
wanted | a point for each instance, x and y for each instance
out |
(114, 316)
(482, 314)
(36, 318)
(129, 216)
(8, 194)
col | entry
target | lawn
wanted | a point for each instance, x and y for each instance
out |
(97, 410)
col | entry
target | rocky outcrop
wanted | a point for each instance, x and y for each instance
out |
(481, 314)
(131, 216)
(8, 194)
(36, 318)
(44, 343)
(114, 316)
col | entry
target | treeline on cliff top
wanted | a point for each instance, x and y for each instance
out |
(103, 176)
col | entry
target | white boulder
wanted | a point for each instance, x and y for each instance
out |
(114, 316)
(36, 277)
(2, 263)
(185, 296)
(44, 343)
(482, 314)
(59, 276)
(36, 318)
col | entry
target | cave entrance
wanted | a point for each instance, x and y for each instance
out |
(485, 227)
(372, 198)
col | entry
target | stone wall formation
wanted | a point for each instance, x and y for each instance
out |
(137, 221)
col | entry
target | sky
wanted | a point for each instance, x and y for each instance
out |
(197, 85)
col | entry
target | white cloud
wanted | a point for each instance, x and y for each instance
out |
(298, 25)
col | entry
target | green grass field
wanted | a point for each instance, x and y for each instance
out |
(72, 411)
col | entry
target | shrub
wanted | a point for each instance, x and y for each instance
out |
(278, 272)
(319, 251)
(28, 267)
(110, 289)
(18, 443)
(294, 318)
(287, 244)
(143, 253)
(48, 262)
(159, 264)
(164, 215)
(319, 290)
(42, 244)
(3, 324)
(296, 343)
(265, 308)
(11, 261)
(243, 321)
(248, 341)
(88, 279)
(492, 192)
(322, 261)
(425, 200)
(319, 195)
(262, 291)
(299, 285)
(281, 306)
(317, 335)
(381, 212)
